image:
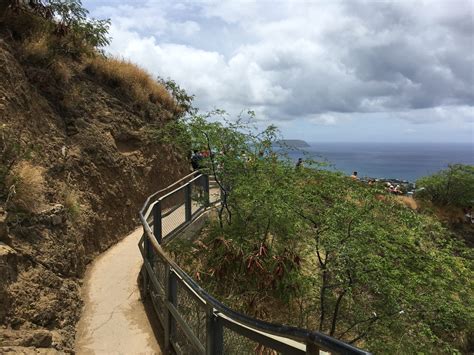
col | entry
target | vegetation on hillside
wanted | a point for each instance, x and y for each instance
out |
(60, 41)
(318, 250)
(450, 187)
(131, 81)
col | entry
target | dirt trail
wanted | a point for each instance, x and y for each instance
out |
(114, 319)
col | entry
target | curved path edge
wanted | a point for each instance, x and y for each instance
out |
(114, 320)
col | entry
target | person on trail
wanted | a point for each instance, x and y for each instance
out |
(354, 176)
(196, 158)
(299, 163)
(468, 216)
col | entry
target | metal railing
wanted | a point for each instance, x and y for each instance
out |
(194, 322)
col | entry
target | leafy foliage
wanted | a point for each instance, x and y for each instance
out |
(71, 15)
(315, 249)
(65, 23)
(183, 100)
(453, 186)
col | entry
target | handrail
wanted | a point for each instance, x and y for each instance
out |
(224, 316)
(162, 190)
(178, 188)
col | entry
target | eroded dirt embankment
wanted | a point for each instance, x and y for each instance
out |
(91, 144)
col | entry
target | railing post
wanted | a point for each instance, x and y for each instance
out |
(146, 246)
(311, 347)
(157, 225)
(171, 293)
(206, 190)
(187, 202)
(214, 336)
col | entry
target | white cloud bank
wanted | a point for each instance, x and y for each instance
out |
(321, 61)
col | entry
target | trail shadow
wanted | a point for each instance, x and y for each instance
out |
(158, 330)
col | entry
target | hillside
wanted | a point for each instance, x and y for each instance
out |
(77, 163)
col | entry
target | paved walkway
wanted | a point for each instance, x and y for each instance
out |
(114, 319)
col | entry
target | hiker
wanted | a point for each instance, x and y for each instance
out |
(196, 158)
(397, 190)
(468, 216)
(299, 163)
(354, 176)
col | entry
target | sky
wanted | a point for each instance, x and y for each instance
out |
(356, 71)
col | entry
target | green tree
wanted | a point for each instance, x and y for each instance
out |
(64, 18)
(71, 15)
(386, 276)
(313, 248)
(183, 100)
(451, 187)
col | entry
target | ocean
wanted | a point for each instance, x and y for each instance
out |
(404, 161)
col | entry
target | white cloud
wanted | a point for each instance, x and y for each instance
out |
(318, 61)
(324, 119)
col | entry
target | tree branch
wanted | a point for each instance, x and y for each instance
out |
(338, 303)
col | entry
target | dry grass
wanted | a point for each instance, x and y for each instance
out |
(72, 203)
(37, 48)
(408, 201)
(26, 182)
(132, 80)
(61, 71)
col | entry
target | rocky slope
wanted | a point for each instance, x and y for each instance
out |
(98, 164)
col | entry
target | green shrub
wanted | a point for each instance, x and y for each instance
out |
(451, 187)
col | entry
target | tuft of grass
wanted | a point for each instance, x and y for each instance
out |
(62, 72)
(37, 49)
(72, 203)
(131, 80)
(27, 186)
(410, 202)
(45, 51)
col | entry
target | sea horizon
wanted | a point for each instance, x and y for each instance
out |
(390, 160)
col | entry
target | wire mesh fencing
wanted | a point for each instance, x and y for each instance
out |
(173, 211)
(193, 311)
(157, 286)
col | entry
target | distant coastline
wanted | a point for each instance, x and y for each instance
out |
(293, 143)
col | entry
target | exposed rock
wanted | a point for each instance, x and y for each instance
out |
(54, 214)
(3, 226)
(21, 350)
(26, 338)
(8, 273)
(56, 220)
